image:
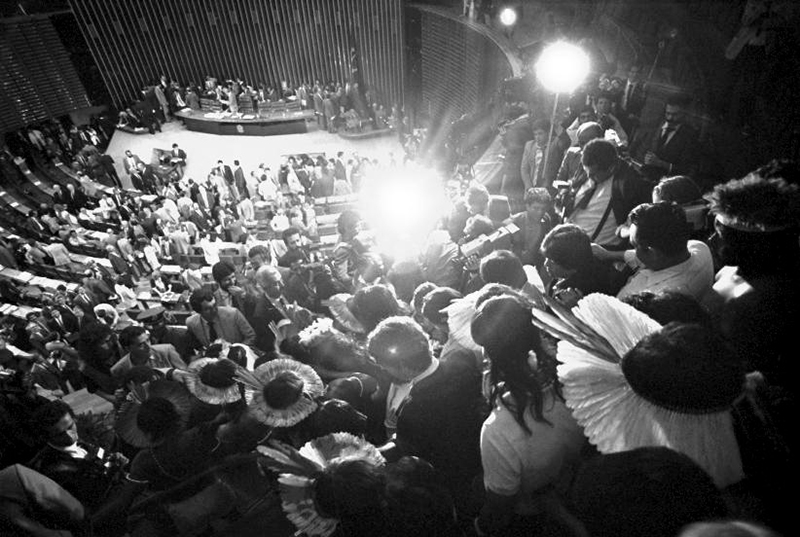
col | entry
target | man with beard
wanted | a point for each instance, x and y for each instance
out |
(229, 293)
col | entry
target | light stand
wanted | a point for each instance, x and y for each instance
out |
(550, 134)
(561, 68)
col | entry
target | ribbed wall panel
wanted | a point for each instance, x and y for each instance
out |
(461, 68)
(38, 79)
(134, 41)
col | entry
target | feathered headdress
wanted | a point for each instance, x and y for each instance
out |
(282, 392)
(459, 320)
(172, 392)
(213, 381)
(298, 470)
(623, 406)
(340, 306)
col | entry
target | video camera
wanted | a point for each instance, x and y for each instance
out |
(486, 243)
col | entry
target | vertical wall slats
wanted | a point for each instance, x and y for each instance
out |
(271, 41)
(110, 68)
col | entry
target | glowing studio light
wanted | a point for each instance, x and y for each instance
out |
(401, 208)
(562, 67)
(508, 16)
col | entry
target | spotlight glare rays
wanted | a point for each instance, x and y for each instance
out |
(562, 67)
(401, 207)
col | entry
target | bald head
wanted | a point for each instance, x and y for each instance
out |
(270, 280)
(589, 131)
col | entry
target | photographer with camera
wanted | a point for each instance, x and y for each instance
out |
(353, 262)
(571, 174)
(86, 471)
(303, 274)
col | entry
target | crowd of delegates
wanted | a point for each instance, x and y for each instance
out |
(602, 369)
(336, 105)
(539, 154)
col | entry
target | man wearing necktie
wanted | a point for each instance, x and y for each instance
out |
(131, 161)
(634, 97)
(271, 308)
(178, 159)
(673, 148)
(212, 322)
(84, 302)
(612, 189)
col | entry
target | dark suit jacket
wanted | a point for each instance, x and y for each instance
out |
(37, 226)
(681, 151)
(440, 421)
(137, 180)
(636, 99)
(71, 322)
(149, 177)
(98, 290)
(241, 182)
(108, 164)
(72, 201)
(119, 265)
(85, 304)
(199, 220)
(181, 154)
(629, 190)
(264, 313)
(227, 173)
(60, 198)
(83, 478)
(209, 202)
(339, 171)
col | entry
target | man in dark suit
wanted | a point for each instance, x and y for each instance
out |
(240, 181)
(70, 199)
(97, 289)
(603, 201)
(149, 178)
(633, 99)
(270, 307)
(107, 164)
(205, 198)
(81, 468)
(672, 148)
(137, 180)
(117, 197)
(319, 110)
(85, 302)
(72, 323)
(339, 170)
(433, 410)
(198, 219)
(36, 225)
(177, 158)
(119, 264)
(59, 197)
(225, 171)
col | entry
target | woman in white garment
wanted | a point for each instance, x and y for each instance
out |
(530, 443)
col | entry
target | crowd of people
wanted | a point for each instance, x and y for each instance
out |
(336, 106)
(592, 365)
(550, 379)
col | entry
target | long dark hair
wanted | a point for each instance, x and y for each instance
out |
(503, 327)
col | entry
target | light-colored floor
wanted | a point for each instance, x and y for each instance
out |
(204, 150)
